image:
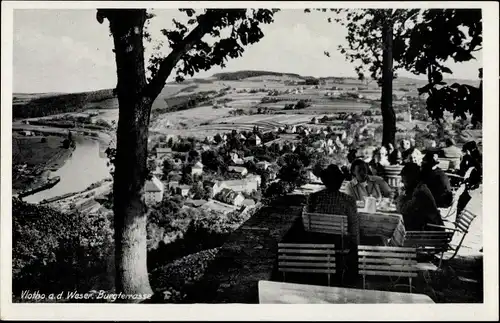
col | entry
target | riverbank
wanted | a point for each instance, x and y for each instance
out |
(33, 158)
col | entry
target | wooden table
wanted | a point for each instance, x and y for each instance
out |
(387, 224)
(287, 293)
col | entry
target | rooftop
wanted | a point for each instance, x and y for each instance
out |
(153, 185)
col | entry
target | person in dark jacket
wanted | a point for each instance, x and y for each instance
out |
(332, 201)
(472, 159)
(416, 203)
(436, 180)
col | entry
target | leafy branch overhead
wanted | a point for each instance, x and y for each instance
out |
(423, 39)
(230, 30)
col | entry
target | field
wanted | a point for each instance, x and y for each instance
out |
(240, 96)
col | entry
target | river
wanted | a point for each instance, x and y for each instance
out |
(86, 166)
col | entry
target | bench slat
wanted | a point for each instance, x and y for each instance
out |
(393, 268)
(299, 270)
(386, 254)
(330, 224)
(336, 232)
(325, 221)
(285, 257)
(425, 242)
(307, 264)
(377, 248)
(428, 234)
(327, 227)
(304, 251)
(463, 226)
(305, 245)
(389, 261)
(386, 273)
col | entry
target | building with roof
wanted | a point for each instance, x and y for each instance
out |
(248, 185)
(153, 190)
(197, 169)
(254, 140)
(228, 196)
(163, 152)
(238, 170)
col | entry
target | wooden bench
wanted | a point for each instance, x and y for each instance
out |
(387, 261)
(429, 242)
(306, 258)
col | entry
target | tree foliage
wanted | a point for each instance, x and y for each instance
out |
(423, 41)
(292, 170)
(54, 251)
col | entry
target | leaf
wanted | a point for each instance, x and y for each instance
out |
(445, 69)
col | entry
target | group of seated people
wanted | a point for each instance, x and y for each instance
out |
(426, 188)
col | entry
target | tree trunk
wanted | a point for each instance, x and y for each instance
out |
(131, 152)
(388, 115)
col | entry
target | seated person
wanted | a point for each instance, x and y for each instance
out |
(376, 166)
(383, 156)
(331, 201)
(436, 180)
(452, 152)
(472, 158)
(406, 149)
(363, 185)
(416, 203)
(415, 157)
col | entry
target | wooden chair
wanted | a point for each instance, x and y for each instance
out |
(387, 261)
(429, 243)
(325, 223)
(392, 175)
(461, 226)
(306, 258)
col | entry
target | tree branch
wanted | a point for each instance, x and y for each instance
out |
(153, 89)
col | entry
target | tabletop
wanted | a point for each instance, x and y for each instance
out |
(288, 293)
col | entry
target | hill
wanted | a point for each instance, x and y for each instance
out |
(240, 75)
(32, 106)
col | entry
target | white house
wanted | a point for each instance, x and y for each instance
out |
(228, 196)
(248, 185)
(238, 169)
(184, 190)
(153, 190)
(342, 134)
(255, 140)
(163, 152)
(197, 169)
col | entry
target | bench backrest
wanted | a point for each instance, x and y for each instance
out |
(464, 220)
(387, 261)
(306, 258)
(428, 241)
(325, 223)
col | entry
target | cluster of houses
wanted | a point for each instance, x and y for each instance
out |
(232, 192)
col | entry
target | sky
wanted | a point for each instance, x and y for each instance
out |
(69, 51)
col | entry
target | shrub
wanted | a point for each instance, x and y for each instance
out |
(54, 251)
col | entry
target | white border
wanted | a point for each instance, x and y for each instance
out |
(458, 312)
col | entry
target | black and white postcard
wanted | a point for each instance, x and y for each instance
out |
(215, 160)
